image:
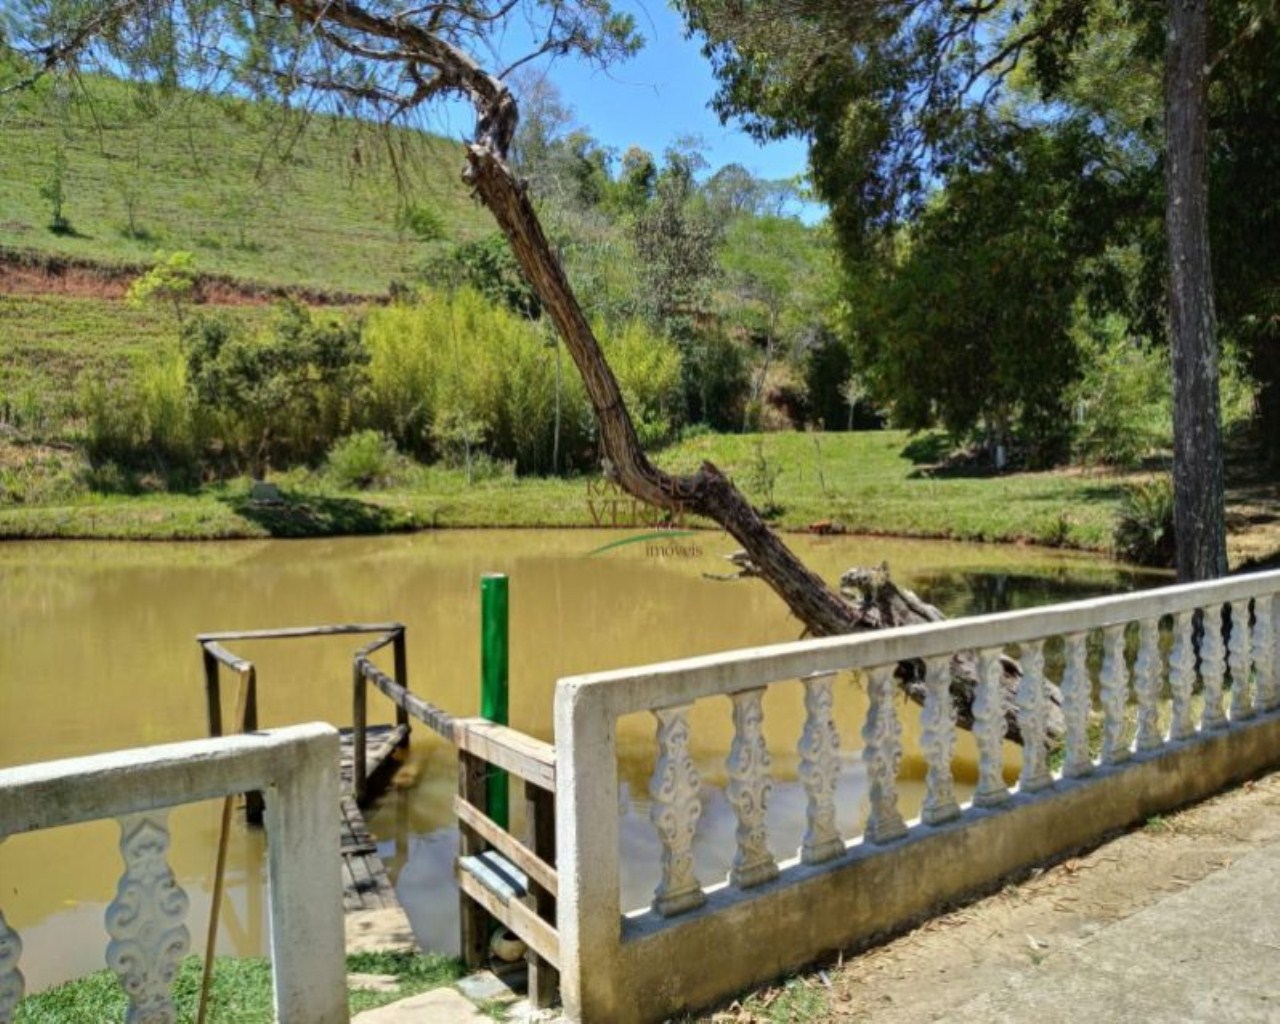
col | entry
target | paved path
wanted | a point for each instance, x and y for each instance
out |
(1208, 953)
(1177, 921)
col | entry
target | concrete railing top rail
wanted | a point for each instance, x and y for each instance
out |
(649, 687)
(70, 791)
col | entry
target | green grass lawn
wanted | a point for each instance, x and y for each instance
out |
(297, 203)
(864, 482)
(240, 992)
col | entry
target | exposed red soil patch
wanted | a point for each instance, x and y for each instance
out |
(23, 272)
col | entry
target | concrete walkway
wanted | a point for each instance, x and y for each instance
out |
(1175, 921)
(1207, 953)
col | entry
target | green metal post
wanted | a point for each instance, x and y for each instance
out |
(494, 663)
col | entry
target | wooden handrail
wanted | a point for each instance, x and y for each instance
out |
(508, 845)
(293, 632)
(215, 654)
(531, 759)
(437, 719)
(221, 654)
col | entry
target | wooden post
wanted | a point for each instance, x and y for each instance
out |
(540, 815)
(402, 677)
(359, 726)
(212, 693)
(253, 806)
(475, 922)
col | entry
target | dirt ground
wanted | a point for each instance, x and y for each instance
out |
(1253, 525)
(926, 973)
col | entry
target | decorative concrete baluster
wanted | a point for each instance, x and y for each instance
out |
(1264, 657)
(1146, 684)
(989, 730)
(1033, 719)
(12, 984)
(146, 920)
(819, 750)
(1213, 666)
(748, 791)
(882, 754)
(1240, 662)
(675, 812)
(1077, 697)
(937, 742)
(1114, 696)
(1182, 676)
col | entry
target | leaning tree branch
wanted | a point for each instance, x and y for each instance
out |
(707, 492)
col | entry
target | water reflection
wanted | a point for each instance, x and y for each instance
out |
(97, 653)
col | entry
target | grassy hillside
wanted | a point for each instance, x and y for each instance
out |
(52, 344)
(291, 201)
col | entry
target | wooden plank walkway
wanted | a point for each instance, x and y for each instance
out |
(365, 882)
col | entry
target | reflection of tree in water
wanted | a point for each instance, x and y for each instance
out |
(982, 593)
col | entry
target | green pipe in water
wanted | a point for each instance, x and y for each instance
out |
(494, 665)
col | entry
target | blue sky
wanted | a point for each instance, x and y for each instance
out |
(662, 93)
(658, 96)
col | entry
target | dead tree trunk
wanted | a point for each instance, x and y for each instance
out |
(882, 604)
(708, 492)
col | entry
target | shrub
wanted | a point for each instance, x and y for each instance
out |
(53, 190)
(282, 395)
(715, 381)
(422, 220)
(147, 423)
(362, 460)
(647, 366)
(1123, 402)
(1144, 524)
(455, 374)
(452, 375)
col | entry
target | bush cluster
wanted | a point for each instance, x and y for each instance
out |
(447, 377)
(452, 375)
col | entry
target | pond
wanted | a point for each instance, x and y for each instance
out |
(97, 652)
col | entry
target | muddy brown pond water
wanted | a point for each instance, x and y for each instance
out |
(97, 653)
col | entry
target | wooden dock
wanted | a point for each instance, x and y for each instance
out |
(365, 882)
(375, 920)
(488, 852)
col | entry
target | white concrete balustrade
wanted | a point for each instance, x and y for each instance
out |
(702, 941)
(146, 922)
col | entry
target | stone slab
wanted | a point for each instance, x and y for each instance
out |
(439, 1006)
(373, 982)
(378, 931)
(485, 986)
